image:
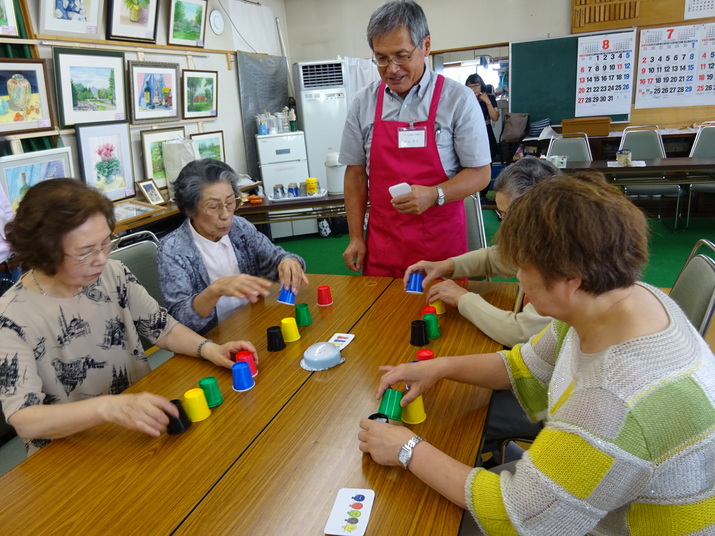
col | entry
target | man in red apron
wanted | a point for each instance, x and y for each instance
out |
(413, 127)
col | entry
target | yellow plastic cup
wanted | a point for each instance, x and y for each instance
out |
(414, 412)
(439, 306)
(289, 329)
(195, 405)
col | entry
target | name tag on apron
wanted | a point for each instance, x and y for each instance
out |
(410, 137)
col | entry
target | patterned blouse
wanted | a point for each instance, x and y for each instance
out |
(58, 350)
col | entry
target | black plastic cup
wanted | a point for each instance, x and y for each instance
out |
(275, 339)
(419, 333)
(379, 417)
(177, 426)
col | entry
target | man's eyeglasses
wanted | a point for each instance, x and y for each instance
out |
(399, 59)
(105, 249)
(214, 209)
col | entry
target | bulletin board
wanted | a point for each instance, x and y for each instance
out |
(600, 15)
(542, 79)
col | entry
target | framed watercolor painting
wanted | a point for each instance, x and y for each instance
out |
(132, 20)
(20, 171)
(105, 156)
(24, 101)
(210, 144)
(187, 22)
(8, 22)
(151, 192)
(131, 210)
(78, 18)
(200, 94)
(154, 89)
(90, 86)
(152, 154)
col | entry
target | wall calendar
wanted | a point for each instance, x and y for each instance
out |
(676, 67)
(604, 75)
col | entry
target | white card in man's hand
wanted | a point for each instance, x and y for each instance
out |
(400, 189)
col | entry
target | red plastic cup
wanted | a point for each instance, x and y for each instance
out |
(247, 356)
(324, 296)
(425, 354)
(429, 310)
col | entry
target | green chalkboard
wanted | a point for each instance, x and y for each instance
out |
(542, 79)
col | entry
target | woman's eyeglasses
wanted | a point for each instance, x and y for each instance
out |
(105, 249)
(214, 209)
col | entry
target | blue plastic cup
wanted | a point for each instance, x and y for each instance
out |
(286, 296)
(242, 379)
(414, 285)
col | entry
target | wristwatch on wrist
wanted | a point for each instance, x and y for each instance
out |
(405, 454)
(440, 196)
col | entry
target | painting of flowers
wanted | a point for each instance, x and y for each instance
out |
(155, 92)
(24, 105)
(133, 20)
(105, 156)
(187, 21)
(90, 86)
(71, 18)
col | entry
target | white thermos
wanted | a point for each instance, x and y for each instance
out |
(335, 173)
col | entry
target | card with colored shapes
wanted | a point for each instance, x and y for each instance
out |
(351, 512)
(341, 340)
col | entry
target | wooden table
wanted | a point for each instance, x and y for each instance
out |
(272, 459)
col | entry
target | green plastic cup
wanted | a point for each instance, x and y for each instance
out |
(432, 324)
(210, 387)
(390, 404)
(302, 315)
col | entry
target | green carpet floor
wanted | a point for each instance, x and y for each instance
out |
(668, 249)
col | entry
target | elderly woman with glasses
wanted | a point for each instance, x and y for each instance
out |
(216, 262)
(69, 329)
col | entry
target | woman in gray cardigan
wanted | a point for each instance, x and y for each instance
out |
(216, 262)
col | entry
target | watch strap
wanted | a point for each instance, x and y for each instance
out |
(406, 451)
(440, 195)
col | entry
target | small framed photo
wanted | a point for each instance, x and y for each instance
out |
(8, 22)
(20, 171)
(90, 86)
(24, 101)
(78, 18)
(200, 94)
(155, 91)
(187, 22)
(151, 192)
(132, 20)
(210, 144)
(152, 154)
(105, 156)
(130, 210)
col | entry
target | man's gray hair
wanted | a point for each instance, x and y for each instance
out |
(518, 178)
(392, 16)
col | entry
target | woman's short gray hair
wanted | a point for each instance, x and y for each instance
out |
(518, 178)
(392, 16)
(195, 176)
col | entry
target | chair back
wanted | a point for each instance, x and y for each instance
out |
(575, 147)
(644, 142)
(140, 257)
(476, 236)
(704, 144)
(694, 289)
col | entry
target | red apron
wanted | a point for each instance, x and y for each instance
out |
(395, 240)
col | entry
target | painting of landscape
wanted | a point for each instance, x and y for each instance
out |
(93, 88)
